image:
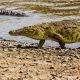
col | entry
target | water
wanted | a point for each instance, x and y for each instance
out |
(8, 23)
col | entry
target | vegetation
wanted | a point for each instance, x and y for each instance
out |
(45, 9)
(37, 8)
(8, 4)
(71, 4)
(49, 1)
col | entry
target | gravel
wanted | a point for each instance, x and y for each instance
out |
(48, 63)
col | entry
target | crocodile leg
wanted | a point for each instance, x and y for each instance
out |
(60, 41)
(62, 44)
(58, 38)
(41, 42)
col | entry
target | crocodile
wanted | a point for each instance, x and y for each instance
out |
(12, 13)
(63, 32)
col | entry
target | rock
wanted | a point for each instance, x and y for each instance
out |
(51, 68)
(19, 46)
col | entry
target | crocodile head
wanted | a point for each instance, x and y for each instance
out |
(31, 32)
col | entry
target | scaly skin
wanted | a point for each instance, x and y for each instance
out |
(62, 32)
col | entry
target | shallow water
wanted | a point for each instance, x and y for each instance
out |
(8, 23)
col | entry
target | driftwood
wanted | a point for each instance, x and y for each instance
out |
(12, 13)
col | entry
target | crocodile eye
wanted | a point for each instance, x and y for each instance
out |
(35, 33)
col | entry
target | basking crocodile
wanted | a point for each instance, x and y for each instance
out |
(11, 12)
(62, 32)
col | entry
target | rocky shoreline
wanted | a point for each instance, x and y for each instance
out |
(38, 64)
